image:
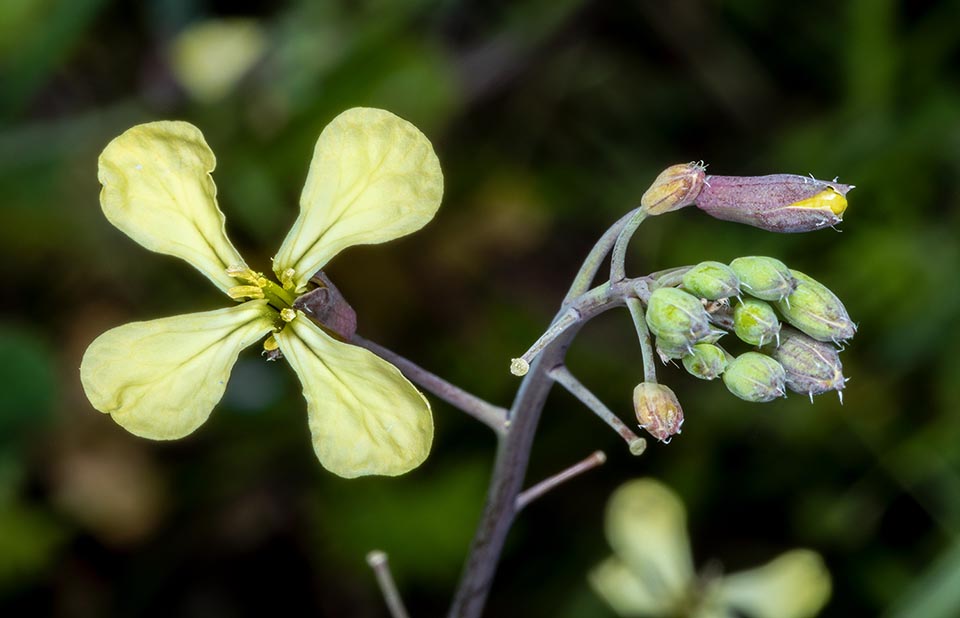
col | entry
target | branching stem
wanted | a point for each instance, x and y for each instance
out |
(597, 458)
(618, 259)
(562, 376)
(381, 569)
(643, 334)
(490, 415)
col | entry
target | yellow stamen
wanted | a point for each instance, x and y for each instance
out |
(243, 292)
(288, 314)
(270, 344)
(829, 198)
(286, 278)
(243, 273)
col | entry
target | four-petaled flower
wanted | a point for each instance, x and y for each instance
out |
(374, 177)
(651, 572)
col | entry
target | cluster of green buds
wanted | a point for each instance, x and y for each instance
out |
(793, 322)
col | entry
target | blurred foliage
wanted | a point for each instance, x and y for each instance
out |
(550, 119)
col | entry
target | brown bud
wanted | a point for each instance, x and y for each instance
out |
(658, 410)
(675, 187)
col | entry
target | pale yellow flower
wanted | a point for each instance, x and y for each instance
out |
(374, 177)
(651, 572)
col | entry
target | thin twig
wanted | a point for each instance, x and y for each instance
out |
(619, 256)
(591, 265)
(381, 569)
(643, 334)
(526, 497)
(490, 415)
(562, 376)
(520, 366)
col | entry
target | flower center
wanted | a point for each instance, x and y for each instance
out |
(255, 286)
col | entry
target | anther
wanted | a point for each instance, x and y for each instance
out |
(270, 344)
(286, 278)
(288, 314)
(240, 292)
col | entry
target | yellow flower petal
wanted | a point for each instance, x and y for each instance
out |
(646, 527)
(157, 189)
(160, 379)
(374, 177)
(365, 417)
(626, 593)
(793, 585)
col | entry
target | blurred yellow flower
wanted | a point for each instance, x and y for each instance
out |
(651, 572)
(374, 177)
(209, 58)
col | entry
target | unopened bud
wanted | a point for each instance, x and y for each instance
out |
(711, 280)
(765, 278)
(755, 377)
(812, 366)
(816, 310)
(778, 203)
(675, 187)
(706, 361)
(755, 322)
(675, 314)
(658, 410)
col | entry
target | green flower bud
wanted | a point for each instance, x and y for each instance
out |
(783, 203)
(658, 410)
(711, 280)
(706, 361)
(677, 317)
(816, 310)
(812, 366)
(755, 322)
(764, 277)
(675, 187)
(755, 377)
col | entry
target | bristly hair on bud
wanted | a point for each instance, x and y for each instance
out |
(764, 277)
(812, 366)
(816, 311)
(755, 377)
(675, 187)
(785, 203)
(712, 281)
(658, 410)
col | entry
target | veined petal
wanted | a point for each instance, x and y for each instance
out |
(365, 417)
(374, 177)
(626, 593)
(793, 585)
(646, 527)
(160, 379)
(157, 189)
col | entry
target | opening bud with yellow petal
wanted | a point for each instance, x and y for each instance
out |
(755, 377)
(711, 280)
(785, 203)
(763, 277)
(706, 361)
(658, 410)
(675, 187)
(812, 367)
(755, 322)
(816, 311)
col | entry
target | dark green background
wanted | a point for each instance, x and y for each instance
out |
(550, 118)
